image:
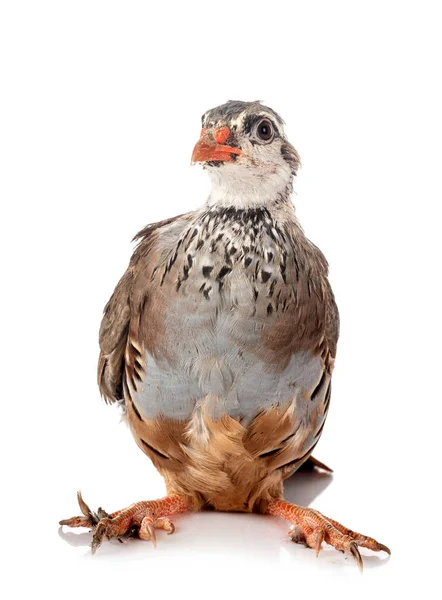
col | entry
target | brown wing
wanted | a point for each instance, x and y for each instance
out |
(331, 320)
(113, 338)
(120, 348)
(327, 308)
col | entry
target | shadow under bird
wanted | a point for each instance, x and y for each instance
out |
(220, 341)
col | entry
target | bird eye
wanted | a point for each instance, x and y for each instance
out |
(265, 130)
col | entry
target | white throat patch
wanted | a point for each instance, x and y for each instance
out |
(246, 186)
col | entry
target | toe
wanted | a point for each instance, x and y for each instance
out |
(315, 539)
(362, 540)
(371, 544)
(76, 522)
(166, 524)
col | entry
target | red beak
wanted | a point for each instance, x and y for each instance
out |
(210, 146)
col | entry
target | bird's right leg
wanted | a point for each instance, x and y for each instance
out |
(144, 516)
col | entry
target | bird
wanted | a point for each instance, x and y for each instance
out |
(219, 342)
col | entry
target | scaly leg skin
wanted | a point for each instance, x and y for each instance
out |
(146, 516)
(312, 528)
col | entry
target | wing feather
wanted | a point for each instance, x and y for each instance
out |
(121, 318)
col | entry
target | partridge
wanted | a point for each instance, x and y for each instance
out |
(220, 341)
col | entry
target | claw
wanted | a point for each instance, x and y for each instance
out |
(94, 545)
(99, 534)
(353, 550)
(319, 540)
(384, 548)
(147, 530)
(153, 538)
(83, 506)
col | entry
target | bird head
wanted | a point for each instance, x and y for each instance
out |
(246, 153)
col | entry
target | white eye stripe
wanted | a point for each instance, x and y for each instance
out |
(238, 124)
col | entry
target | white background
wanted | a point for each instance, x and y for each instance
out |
(100, 109)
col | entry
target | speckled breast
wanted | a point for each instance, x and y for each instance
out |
(230, 293)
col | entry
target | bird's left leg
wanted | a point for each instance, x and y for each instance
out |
(144, 517)
(312, 528)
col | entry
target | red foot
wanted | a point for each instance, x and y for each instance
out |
(312, 528)
(143, 517)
